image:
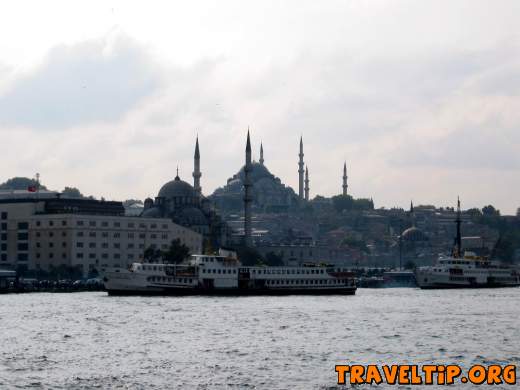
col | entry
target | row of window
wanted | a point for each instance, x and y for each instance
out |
(305, 282)
(296, 271)
(117, 245)
(165, 279)
(130, 225)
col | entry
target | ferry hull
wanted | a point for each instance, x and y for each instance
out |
(439, 286)
(348, 290)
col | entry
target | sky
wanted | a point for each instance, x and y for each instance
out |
(420, 98)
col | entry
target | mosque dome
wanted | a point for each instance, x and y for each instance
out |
(152, 212)
(258, 171)
(177, 188)
(414, 234)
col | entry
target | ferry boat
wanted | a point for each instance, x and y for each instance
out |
(466, 270)
(222, 274)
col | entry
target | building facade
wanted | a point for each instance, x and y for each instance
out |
(35, 238)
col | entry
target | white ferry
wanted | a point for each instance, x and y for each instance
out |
(205, 274)
(465, 270)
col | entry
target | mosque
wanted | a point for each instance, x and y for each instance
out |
(252, 187)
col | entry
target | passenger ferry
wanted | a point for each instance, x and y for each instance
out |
(466, 270)
(220, 275)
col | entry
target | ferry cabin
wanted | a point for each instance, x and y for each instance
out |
(223, 273)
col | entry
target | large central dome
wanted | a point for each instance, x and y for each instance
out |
(176, 188)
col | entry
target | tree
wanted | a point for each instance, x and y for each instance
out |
(410, 265)
(152, 255)
(272, 259)
(20, 183)
(474, 213)
(176, 253)
(490, 211)
(72, 192)
(342, 202)
(249, 256)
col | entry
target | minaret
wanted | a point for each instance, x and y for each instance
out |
(247, 195)
(196, 168)
(307, 184)
(345, 177)
(458, 238)
(261, 154)
(300, 170)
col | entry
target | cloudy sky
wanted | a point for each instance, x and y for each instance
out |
(421, 98)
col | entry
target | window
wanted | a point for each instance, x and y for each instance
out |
(131, 225)
(23, 246)
(79, 255)
(23, 236)
(38, 245)
(164, 236)
(153, 235)
(63, 244)
(63, 255)
(4, 215)
(4, 247)
(92, 223)
(79, 244)
(104, 224)
(141, 246)
(4, 257)
(104, 256)
(51, 223)
(38, 223)
(117, 224)
(130, 235)
(80, 223)
(4, 226)
(117, 245)
(117, 235)
(23, 256)
(142, 235)
(130, 246)
(165, 226)
(104, 245)
(92, 245)
(153, 226)
(63, 223)
(91, 255)
(23, 225)
(51, 244)
(92, 234)
(79, 234)
(104, 234)
(117, 256)
(64, 234)
(51, 234)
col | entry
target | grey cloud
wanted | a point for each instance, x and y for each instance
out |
(85, 83)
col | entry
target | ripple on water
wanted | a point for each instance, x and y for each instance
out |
(89, 340)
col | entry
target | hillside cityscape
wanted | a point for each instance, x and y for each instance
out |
(254, 213)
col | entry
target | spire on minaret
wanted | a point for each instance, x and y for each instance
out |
(196, 168)
(307, 183)
(248, 241)
(300, 170)
(261, 154)
(412, 213)
(177, 177)
(345, 178)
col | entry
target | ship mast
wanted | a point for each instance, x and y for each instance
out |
(458, 238)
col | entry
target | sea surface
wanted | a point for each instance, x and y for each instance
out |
(90, 340)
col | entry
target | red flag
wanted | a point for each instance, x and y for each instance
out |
(31, 188)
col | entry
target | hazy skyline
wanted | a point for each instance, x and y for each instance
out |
(422, 99)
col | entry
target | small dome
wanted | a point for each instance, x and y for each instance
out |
(192, 216)
(152, 212)
(176, 188)
(414, 234)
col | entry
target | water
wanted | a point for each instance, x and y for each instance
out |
(90, 340)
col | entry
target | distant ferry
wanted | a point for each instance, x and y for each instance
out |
(220, 275)
(466, 270)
